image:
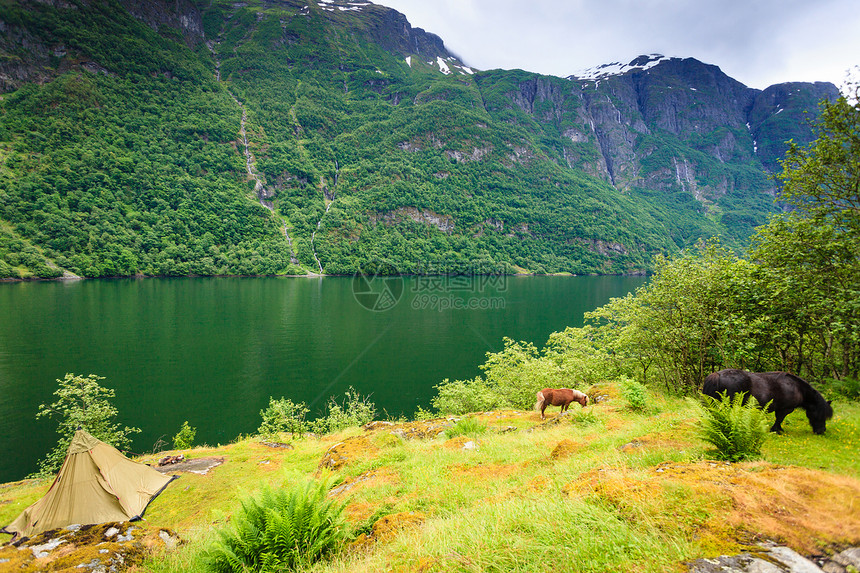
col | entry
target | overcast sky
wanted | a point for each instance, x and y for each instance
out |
(757, 42)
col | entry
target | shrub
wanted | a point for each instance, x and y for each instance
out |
(847, 387)
(634, 393)
(282, 530)
(735, 429)
(355, 410)
(459, 397)
(282, 416)
(184, 439)
(466, 427)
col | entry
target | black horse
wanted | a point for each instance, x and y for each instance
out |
(784, 391)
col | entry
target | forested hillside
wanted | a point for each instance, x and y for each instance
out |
(219, 137)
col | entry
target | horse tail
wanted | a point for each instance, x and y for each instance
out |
(540, 400)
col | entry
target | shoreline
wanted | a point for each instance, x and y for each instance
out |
(9, 280)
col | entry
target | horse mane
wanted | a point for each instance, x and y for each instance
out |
(812, 398)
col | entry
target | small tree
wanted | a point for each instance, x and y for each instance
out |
(823, 180)
(283, 416)
(82, 403)
(184, 438)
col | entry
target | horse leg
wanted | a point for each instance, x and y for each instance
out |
(777, 424)
(542, 408)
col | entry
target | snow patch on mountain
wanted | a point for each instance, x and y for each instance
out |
(344, 5)
(617, 68)
(443, 67)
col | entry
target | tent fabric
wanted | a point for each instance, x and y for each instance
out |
(96, 484)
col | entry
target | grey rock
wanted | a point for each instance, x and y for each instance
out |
(111, 532)
(761, 566)
(849, 557)
(45, 549)
(795, 562)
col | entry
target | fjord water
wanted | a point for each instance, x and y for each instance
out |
(213, 350)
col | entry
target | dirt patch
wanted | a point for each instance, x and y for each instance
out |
(657, 441)
(387, 527)
(199, 466)
(482, 472)
(564, 449)
(807, 510)
(367, 479)
(539, 484)
(346, 451)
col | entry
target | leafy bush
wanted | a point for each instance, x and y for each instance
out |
(735, 429)
(466, 427)
(355, 410)
(184, 439)
(847, 387)
(282, 530)
(282, 416)
(511, 378)
(463, 396)
(634, 393)
(82, 403)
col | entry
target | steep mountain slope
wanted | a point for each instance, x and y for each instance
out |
(362, 138)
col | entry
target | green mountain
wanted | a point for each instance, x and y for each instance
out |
(283, 137)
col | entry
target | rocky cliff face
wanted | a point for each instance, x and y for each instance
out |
(660, 122)
(168, 16)
(699, 106)
(39, 54)
(392, 31)
(780, 113)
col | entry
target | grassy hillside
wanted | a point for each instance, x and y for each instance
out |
(601, 489)
(125, 152)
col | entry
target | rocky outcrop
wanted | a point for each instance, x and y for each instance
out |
(424, 216)
(778, 559)
(393, 32)
(181, 15)
(106, 547)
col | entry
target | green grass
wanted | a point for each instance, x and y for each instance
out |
(511, 504)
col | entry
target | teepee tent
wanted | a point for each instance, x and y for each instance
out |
(96, 484)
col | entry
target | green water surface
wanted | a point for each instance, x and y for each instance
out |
(213, 350)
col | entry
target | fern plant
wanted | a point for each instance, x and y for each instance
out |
(735, 429)
(281, 530)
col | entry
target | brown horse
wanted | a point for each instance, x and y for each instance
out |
(558, 397)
